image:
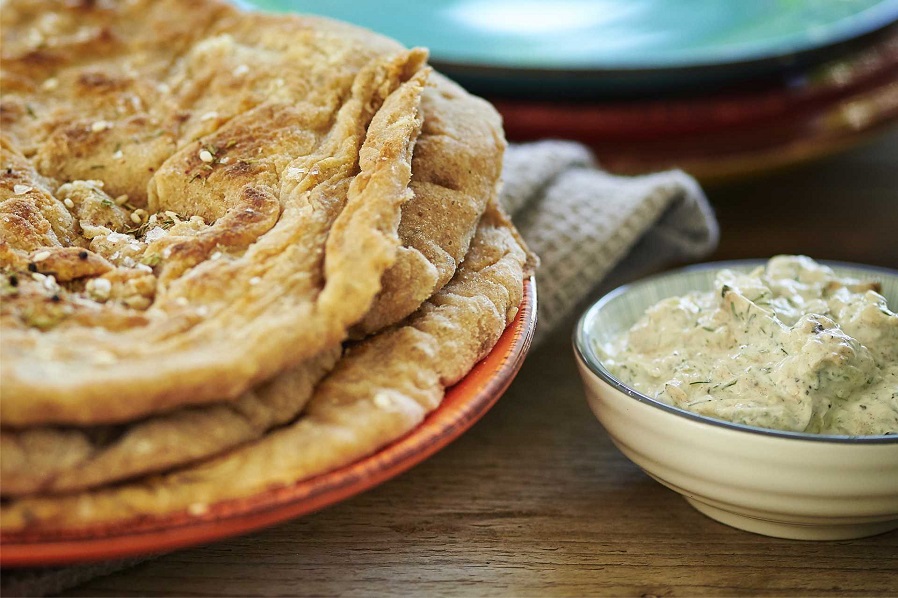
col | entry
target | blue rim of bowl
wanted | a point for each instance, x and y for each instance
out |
(586, 353)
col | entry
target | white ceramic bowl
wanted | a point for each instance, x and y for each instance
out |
(784, 484)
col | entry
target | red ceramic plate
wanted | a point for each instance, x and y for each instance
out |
(464, 404)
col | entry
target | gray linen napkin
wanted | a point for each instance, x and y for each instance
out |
(584, 223)
(587, 227)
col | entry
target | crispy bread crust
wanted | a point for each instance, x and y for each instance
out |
(279, 191)
(197, 206)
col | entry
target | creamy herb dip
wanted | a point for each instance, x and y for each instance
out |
(789, 346)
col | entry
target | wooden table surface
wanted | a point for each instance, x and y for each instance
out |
(535, 500)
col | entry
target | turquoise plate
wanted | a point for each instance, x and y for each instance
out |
(522, 42)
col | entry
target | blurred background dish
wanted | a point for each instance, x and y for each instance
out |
(510, 47)
(717, 88)
(737, 130)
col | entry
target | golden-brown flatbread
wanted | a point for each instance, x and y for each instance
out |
(381, 389)
(54, 459)
(51, 459)
(177, 175)
(455, 172)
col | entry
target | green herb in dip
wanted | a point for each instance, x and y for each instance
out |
(789, 346)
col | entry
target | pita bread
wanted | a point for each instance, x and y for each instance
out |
(49, 460)
(381, 389)
(268, 200)
(455, 172)
(53, 459)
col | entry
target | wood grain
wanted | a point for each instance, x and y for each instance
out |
(535, 500)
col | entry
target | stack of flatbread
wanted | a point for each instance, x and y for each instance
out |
(238, 250)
